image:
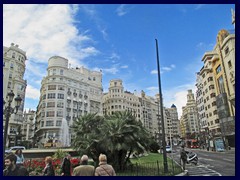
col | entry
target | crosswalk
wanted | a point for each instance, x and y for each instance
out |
(201, 170)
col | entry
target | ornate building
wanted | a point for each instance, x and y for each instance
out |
(14, 67)
(65, 94)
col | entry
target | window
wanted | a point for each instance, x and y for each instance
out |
(59, 123)
(213, 95)
(60, 96)
(210, 79)
(211, 87)
(51, 87)
(60, 104)
(229, 64)
(13, 55)
(218, 70)
(11, 65)
(61, 88)
(44, 96)
(221, 84)
(51, 104)
(50, 113)
(54, 71)
(10, 76)
(59, 114)
(49, 123)
(51, 96)
(61, 71)
(226, 51)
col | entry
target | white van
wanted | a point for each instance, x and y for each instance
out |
(14, 148)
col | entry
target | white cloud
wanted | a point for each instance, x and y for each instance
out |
(112, 70)
(114, 56)
(154, 72)
(153, 88)
(178, 96)
(199, 6)
(124, 67)
(32, 92)
(164, 69)
(43, 31)
(121, 10)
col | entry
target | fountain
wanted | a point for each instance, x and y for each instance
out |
(64, 134)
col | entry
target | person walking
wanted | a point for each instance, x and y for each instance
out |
(104, 169)
(12, 169)
(66, 166)
(183, 157)
(20, 157)
(48, 170)
(84, 169)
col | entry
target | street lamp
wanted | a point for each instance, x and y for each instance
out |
(162, 116)
(8, 111)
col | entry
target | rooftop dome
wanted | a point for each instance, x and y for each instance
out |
(173, 106)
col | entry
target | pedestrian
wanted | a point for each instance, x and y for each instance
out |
(12, 169)
(104, 169)
(183, 156)
(20, 157)
(84, 169)
(48, 170)
(66, 166)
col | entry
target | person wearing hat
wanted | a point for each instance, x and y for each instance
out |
(84, 169)
(104, 169)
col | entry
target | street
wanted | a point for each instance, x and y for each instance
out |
(210, 163)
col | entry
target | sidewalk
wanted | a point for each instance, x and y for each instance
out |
(210, 150)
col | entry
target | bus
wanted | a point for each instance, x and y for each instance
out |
(192, 143)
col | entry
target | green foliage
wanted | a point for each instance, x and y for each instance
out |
(59, 154)
(116, 135)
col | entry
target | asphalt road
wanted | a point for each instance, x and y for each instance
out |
(222, 162)
(210, 163)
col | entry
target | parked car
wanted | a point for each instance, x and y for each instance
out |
(14, 148)
(168, 149)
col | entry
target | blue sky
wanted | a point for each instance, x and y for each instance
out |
(118, 39)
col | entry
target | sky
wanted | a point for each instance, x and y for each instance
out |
(118, 39)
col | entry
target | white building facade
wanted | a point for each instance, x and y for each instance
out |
(14, 67)
(66, 93)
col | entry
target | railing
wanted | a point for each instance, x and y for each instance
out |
(149, 169)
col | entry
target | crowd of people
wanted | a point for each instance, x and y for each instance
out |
(14, 166)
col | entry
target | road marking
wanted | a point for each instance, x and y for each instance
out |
(228, 160)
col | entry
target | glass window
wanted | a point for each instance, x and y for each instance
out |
(60, 104)
(51, 95)
(229, 64)
(49, 123)
(221, 85)
(51, 104)
(52, 87)
(50, 114)
(60, 96)
(218, 70)
(59, 114)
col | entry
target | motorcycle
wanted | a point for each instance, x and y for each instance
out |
(192, 157)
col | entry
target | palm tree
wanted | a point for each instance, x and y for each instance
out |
(117, 136)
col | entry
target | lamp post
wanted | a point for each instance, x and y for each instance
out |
(162, 116)
(8, 111)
